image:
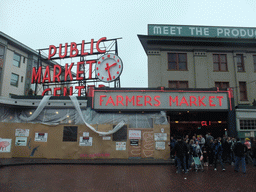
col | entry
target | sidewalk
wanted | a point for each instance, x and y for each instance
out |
(34, 161)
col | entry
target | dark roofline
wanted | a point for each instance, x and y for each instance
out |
(194, 41)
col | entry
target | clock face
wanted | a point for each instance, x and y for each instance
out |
(108, 68)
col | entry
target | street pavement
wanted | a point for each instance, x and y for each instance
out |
(121, 177)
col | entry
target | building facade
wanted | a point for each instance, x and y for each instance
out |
(16, 63)
(183, 57)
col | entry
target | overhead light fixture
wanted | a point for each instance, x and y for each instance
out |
(57, 112)
(219, 121)
(30, 113)
(176, 121)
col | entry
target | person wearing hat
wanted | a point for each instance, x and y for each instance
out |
(248, 145)
(240, 151)
(181, 150)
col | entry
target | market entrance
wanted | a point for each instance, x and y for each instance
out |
(199, 123)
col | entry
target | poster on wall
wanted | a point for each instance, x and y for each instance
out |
(85, 134)
(134, 142)
(160, 145)
(85, 141)
(22, 132)
(160, 136)
(252, 133)
(120, 146)
(5, 145)
(106, 138)
(134, 134)
(21, 141)
(41, 137)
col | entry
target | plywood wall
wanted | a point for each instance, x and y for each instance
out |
(57, 149)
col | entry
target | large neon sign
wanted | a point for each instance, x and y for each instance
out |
(107, 68)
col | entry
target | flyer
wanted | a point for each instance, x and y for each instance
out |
(160, 136)
(85, 141)
(160, 145)
(120, 146)
(22, 132)
(41, 137)
(5, 145)
(21, 141)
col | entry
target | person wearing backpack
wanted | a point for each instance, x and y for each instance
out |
(240, 151)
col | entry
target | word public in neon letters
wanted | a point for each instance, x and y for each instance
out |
(73, 50)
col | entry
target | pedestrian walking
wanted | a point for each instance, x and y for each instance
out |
(217, 149)
(181, 150)
(240, 151)
(197, 153)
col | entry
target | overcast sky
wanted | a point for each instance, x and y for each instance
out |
(40, 23)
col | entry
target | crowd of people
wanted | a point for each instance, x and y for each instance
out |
(200, 151)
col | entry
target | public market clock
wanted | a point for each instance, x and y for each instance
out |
(109, 67)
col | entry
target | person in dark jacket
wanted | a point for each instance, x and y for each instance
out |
(181, 150)
(240, 151)
(172, 144)
(254, 151)
(217, 150)
(210, 149)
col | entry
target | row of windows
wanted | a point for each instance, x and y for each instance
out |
(220, 85)
(178, 61)
(247, 124)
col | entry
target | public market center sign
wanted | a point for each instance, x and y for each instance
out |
(159, 100)
(201, 31)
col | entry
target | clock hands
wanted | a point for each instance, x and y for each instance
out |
(107, 69)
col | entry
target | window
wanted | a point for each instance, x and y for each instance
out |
(222, 85)
(24, 59)
(243, 91)
(121, 134)
(14, 80)
(240, 62)
(254, 62)
(220, 62)
(177, 61)
(16, 60)
(178, 84)
(70, 133)
(247, 124)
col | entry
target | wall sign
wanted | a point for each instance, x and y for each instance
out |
(134, 142)
(160, 145)
(85, 141)
(41, 137)
(5, 145)
(134, 134)
(21, 141)
(120, 146)
(22, 132)
(201, 31)
(148, 100)
(160, 136)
